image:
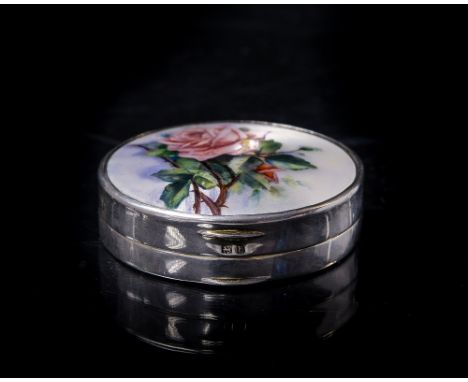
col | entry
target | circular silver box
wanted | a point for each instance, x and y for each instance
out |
(230, 203)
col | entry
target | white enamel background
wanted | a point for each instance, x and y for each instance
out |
(130, 172)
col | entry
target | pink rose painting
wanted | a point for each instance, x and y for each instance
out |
(222, 157)
(207, 143)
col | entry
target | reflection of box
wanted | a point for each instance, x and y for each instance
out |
(202, 319)
(230, 203)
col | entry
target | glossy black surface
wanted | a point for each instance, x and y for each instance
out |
(382, 80)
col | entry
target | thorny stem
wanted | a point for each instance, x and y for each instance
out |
(169, 160)
(233, 180)
(215, 210)
(221, 199)
(223, 192)
(231, 172)
(223, 188)
(196, 191)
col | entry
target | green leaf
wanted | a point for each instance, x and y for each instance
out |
(173, 175)
(223, 159)
(189, 164)
(289, 181)
(174, 193)
(252, 163)
(276, 191)
(205, 180)
(269, 146)
(254, 180)
(160, 150)
(236, 163)
(307, 148)
(221, 170)
(237, 187)
(244, 163)
(255, 196)
(289, 162)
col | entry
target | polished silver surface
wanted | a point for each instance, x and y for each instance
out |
(219, 270)
(196, 237)
(231, 249)
(197, 319)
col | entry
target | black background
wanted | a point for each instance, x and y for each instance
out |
(388, 81)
